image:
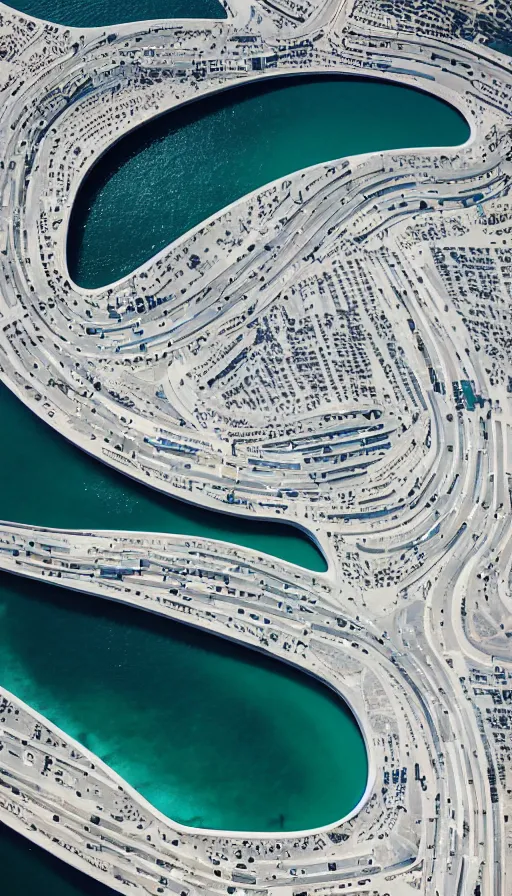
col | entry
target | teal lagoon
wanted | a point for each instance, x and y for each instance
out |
(212, 733)
(171, 173)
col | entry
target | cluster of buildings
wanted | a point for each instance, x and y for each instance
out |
(490, 24)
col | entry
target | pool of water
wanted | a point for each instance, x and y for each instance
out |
(93, 13)
(173, 172)
(211, 733)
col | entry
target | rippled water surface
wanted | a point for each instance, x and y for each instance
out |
(91, 13)
(172, 173)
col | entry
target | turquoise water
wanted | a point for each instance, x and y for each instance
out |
(91, 13)
(211, 733)
(172, 173)
(62, 486)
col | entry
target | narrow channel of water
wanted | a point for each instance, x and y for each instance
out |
(211, 733)
(173, 172)
(95, 13)
(59, 485)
